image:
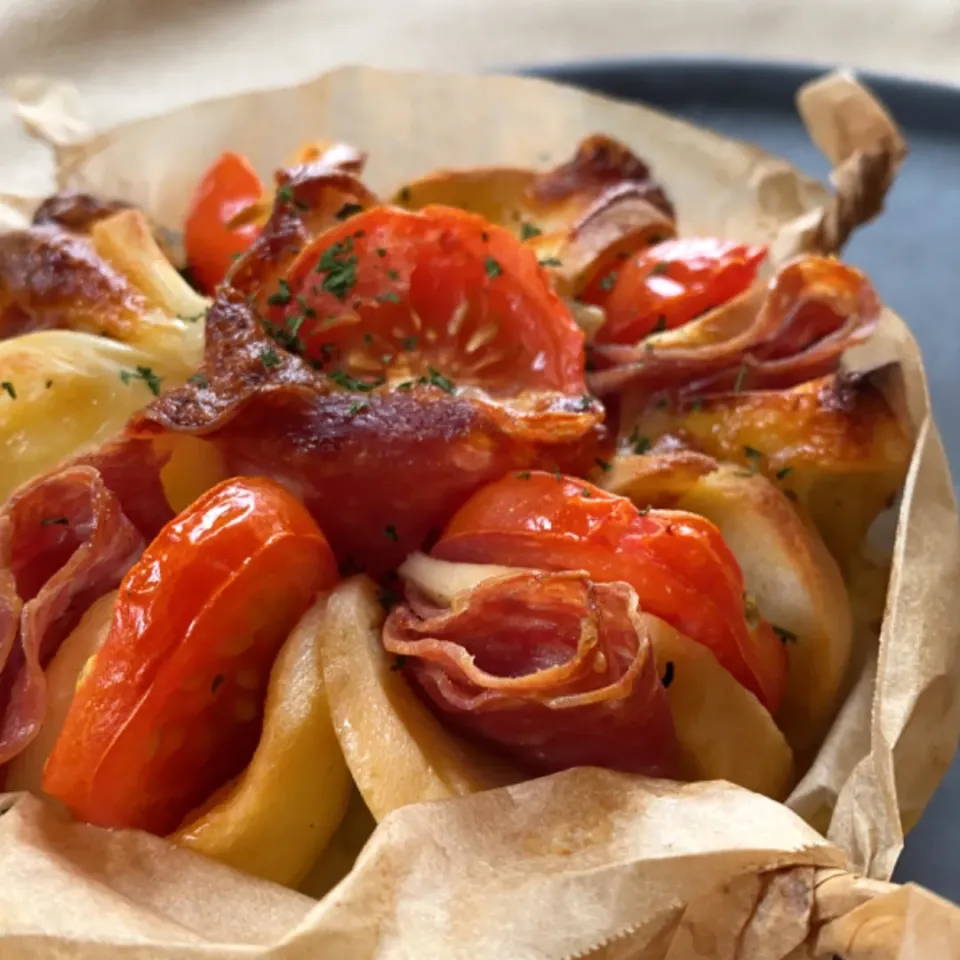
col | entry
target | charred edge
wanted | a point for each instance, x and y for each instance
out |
(76, 211)
(601, 161)
(845, 391)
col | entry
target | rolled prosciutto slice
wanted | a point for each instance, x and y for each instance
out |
(65, 540)
(551, 669)
(773, 336)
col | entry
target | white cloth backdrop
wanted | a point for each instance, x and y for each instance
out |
(134, 57)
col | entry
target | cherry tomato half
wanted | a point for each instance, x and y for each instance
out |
(229, 186)
(667, 285)
(170, 707)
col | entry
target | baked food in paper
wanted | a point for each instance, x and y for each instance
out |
(205, 410)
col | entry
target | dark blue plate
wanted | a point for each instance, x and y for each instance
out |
(911, 253)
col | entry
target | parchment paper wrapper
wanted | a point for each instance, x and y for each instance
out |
(587, 862)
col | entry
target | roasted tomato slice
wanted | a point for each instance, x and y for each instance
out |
(439, 294)
(678, 562)
(228, 187)
(667, 285)
(170, 707)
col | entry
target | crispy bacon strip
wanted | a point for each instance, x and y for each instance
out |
(599, 164)
(65, 540)
(552, 669)
(378, 479)
(306, 204)
(795, 330)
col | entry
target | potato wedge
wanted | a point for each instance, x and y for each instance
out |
(440, 581)
(134, 328)
(599, 203)
(126, 242)
(499, 194)
(724, 732)
(341, 852)
(195, 465)
(67, 392)
(114, 281)
(788, 570)
(396, 750)
(833, 445)
(278, 816)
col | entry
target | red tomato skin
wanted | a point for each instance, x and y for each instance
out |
(170, 709)
(667, 285)
(436, 288)
(229, 186)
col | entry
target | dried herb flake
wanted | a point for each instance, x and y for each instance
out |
(492, 268)
(269, 357)
(786, 636)
(348, 210)
(282, 296)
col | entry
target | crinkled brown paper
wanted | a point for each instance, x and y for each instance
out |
(585, 863)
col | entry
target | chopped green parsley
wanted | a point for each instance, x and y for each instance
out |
(145, 374)
(492, 268)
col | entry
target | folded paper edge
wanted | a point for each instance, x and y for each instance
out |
(865, 149)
